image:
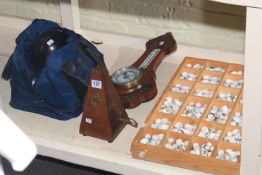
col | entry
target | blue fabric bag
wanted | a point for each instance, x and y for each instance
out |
(52, 94)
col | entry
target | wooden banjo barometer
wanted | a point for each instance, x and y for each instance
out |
(136, 84)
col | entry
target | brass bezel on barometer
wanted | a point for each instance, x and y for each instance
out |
(126, 69)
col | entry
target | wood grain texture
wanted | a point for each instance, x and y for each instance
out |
(104, 115)
(144, 89)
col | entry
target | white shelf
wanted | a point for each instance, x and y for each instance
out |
(247, 3)
(61, 139)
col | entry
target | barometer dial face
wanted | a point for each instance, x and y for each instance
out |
(126, 76)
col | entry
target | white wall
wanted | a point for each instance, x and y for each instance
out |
(1, 107)
(197, 22)
(31, 9)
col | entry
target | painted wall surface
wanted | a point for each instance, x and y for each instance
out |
(48, 9)
(195, 22)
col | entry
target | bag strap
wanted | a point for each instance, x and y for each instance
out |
(7, 72)
(78, 72)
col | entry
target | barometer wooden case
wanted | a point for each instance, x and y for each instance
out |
(136, 84)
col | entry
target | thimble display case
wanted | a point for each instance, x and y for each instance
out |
(208, 97)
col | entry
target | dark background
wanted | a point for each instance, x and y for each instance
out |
(49, 166)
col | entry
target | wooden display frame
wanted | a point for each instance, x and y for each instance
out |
(185, 159)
